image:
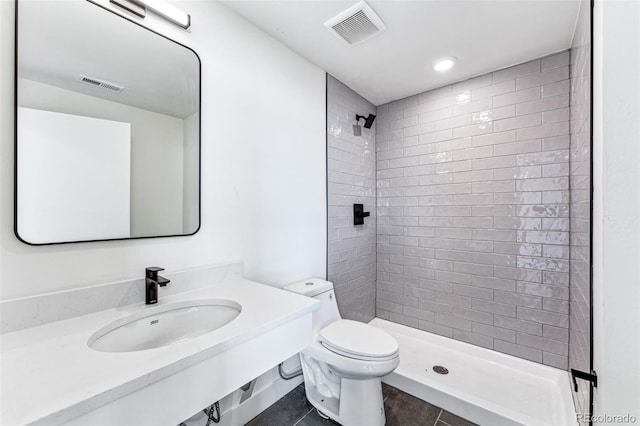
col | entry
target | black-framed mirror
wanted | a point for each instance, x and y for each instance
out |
(107, 127)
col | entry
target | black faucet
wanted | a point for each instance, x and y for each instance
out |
(153, 280)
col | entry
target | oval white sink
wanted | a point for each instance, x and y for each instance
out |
(164, 325)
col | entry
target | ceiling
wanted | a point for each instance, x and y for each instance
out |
(60, 40)
(484, 35)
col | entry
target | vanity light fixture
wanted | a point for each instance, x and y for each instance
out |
(444, 64)
(159, 7)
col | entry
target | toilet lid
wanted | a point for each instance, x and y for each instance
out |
(357, 339)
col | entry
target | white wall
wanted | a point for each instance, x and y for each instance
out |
(74, 174)
(263, 167)
(156, 153)
(616, 301)
(191, 190)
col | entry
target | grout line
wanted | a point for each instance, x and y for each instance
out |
(443, 422)
(301, 418)
(438, 419)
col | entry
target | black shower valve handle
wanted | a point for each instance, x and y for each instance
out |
(359, 214)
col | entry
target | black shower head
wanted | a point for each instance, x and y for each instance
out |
(368, 121)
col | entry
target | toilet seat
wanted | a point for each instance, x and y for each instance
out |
(357, 340)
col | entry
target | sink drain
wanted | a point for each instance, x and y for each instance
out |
(440, 369)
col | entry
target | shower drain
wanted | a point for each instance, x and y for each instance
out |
(440, 369)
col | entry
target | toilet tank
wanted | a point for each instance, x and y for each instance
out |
(321, 290)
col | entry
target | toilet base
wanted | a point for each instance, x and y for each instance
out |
(359, 404)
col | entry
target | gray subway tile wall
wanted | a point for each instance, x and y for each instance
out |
(580, 206)
(473, 210)
(351, 162)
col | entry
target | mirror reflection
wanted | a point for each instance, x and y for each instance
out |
(108, 127)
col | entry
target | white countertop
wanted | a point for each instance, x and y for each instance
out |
(49, 374)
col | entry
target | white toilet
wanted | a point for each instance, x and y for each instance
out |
(345, 361)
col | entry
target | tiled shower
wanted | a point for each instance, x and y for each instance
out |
(351, 176)
(481, 219)
(473, 210)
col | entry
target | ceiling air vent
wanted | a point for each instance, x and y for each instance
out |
(96, 82)
(356, 24)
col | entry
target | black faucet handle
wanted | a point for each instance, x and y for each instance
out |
(359, 214)
(152, 281)
(152, 272)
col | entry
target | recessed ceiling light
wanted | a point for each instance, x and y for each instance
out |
(443, 64)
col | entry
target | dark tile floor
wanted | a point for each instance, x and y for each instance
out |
(401, 409)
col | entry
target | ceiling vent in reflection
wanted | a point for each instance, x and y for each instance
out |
(96, 82)
(356, 24)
